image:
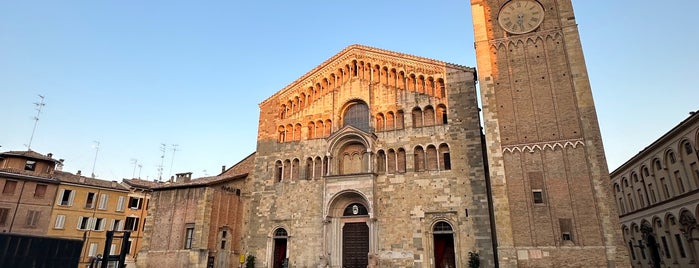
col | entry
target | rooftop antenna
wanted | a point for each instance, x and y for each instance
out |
(97, 149)
(172, 160)
(139, 171)
(38, 105)
(134, 161)
(163, 148)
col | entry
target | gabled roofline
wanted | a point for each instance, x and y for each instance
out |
(368, 49)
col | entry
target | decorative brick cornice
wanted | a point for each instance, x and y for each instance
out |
(403, 62)
(533, 37)
(541, 146)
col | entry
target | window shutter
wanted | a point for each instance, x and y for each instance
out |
(60, 196)
(102, 223)
(120, 204)
(103, 201)
(91, 223)
(80, 220)
(111, 225)
(72, 196)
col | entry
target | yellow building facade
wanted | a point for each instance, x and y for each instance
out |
(86, 208)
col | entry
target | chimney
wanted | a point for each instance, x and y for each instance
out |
(223, 168)
(79, 172)
(114, 184)
(50, 155)
(59, 167)
(183, 177)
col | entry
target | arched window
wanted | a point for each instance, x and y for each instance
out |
(280, 243)
(308, 172)
(400, 119)
(400, 160)
(278, 171)
(428, 116)
(417, 117)
(380, 126)
(442, 89)
(317, 167)
(357, 115)
(391, 161)
(287, 170)
(297, 132)
(295, 169)
(431, 157)
(444, 157)
(390, 121)
(282, 134)
(328, 127)
(419, 156)
(443, 235)
(311, 130)
(319, 129)
(442, 114)
(380, 162)
(289, 136)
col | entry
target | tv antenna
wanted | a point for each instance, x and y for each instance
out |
(38, 107)
(97, 149)
(163, 148)
(134, 161)
(172, 160)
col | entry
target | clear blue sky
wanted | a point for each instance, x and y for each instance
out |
(135, 74)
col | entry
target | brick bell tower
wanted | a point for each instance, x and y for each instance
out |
(552, 201)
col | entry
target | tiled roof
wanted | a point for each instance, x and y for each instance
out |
(204, 181)
(77, 179)
(142, 183)
(245, 166)
(29, 154)
(237, 171)
(28, 174)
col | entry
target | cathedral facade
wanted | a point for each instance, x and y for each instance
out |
(378, 159)
(372, 158)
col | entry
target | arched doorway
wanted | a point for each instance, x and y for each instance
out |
(355, 236)
(350, 232)
(443, 235)
(280, 239)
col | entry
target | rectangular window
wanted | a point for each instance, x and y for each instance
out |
(120, 204)
(115, 225)
(631, 206)
(188, 237)
(135, 203)
(103, 202)
(83, 223)
(666, 191)
(90, 200)
(680, 246)
(40, 191)
(33, 218)
(66, 197)
(4, 212)
(131, 224)
(60, 221)
(566, 226)
(536, 183)
(30, 165)
(680, 183)
(643, 252)
(538, 196)
(98, 224)
(9, 188)
(665, 247)
(653, 198)
(640, 198)
(92, 250)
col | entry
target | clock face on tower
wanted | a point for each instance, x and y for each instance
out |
(520, 16)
